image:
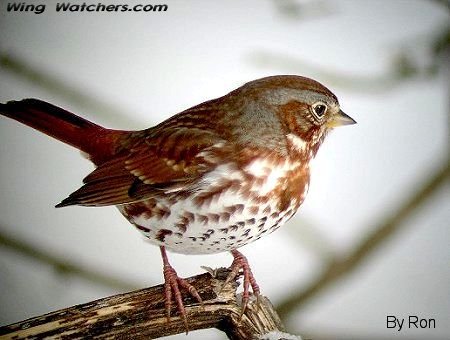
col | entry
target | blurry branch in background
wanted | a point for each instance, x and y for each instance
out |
(303, 9)
(311, 9)
(405, 65)
(338, 268)
(311, 238)
(64, 267)
(444, 3)
(43, 79)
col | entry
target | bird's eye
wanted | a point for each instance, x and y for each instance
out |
(319, 110)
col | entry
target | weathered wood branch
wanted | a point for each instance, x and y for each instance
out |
(142, 314)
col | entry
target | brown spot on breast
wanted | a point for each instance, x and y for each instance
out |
(160, 212)
(267, 210)
(146, 209)
(253, 210)
(225, 216)
(161, 234)
(136, 210)
(237, 208)
(259, 181)
(214, 218)
(181, 226)
(141, 228)
(206, 197)
(274, 227)
(190, 217)
(260, 199)
(202, 219)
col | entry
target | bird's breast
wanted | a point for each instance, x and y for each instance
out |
(227, 208)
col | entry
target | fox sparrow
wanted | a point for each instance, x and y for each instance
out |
(210, 179)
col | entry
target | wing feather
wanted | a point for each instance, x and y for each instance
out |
(166, 160)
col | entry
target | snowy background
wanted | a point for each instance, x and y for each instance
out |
(132, 70)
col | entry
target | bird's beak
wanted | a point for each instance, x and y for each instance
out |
(340, 119)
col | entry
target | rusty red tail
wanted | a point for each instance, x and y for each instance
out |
(96, 141)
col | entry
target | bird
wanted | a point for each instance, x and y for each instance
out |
(209, 179)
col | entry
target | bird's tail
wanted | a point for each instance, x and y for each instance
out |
(94, 140)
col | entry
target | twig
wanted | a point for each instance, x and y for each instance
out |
(341, 267)
(142, 314)
(42, 78)
(63, 266)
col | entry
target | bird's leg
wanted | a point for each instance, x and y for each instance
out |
(172, 284)
(241, 262)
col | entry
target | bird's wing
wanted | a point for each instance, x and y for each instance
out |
(151, 163)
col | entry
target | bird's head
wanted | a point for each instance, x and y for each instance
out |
(300, 108)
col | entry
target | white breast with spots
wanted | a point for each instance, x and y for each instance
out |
(223, 213)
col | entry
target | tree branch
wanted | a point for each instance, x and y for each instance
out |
(142, 314)
(46, 79)
(341, 267)
(63, 266)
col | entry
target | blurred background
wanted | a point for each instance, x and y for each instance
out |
(372, 238)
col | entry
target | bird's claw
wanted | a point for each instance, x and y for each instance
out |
(240, 262)
(172, 289)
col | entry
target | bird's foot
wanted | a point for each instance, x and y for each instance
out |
(241, 262)
(172, 285)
